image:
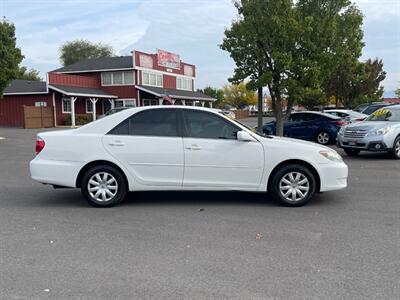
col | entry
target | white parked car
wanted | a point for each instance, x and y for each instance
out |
(347, 114)
(182, 148)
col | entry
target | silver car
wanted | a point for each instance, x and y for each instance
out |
(379, 132)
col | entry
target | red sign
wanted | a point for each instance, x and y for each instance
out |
(168, 59)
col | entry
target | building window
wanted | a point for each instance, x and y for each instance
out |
(152, 79)
(66, 105)
(149, 102)
(118, 78)
(125, 103)
(89, 106)
(183, 83)
(106, 78)
(40, 104)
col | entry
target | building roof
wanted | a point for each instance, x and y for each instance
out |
(177, 94)
(81, 91)
(99, 64)
(19, 86)
(392, 100)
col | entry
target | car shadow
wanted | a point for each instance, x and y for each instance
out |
(178, 198)
(73, 198)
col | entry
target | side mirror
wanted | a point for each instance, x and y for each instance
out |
(244, 136)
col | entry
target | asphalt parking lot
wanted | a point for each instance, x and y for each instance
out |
(185, 245)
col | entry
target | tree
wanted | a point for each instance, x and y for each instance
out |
(238, 96)
(74, 51)
(32, 74)
(353, 85)
(397, 93)
(10, 55)
(215, 93)
(291, 48)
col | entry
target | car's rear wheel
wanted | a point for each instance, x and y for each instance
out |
(103, 186)
(351, 151)
(396, 148)
(323, 138)
(293, 185)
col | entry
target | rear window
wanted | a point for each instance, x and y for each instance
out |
(385, 114)
(371, 109)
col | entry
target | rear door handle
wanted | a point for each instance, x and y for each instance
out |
(193, 147)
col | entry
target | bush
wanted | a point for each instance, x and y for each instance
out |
(79, 120)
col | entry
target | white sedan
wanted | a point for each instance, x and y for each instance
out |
(182, 148)
(347, 114)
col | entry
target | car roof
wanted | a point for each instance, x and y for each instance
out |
(316, 113)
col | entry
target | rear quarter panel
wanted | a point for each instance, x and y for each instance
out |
(65, 154)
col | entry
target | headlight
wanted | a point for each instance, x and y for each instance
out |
(342, 129)
(381, 131)
(331, 155)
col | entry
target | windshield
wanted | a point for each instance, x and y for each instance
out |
(385, 114)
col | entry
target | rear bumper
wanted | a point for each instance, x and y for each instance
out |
(60, 173)
(333, 176)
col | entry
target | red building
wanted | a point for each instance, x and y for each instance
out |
(92, 87)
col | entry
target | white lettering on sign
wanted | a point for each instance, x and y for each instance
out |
(168, 59)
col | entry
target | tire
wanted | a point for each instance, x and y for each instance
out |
(351, 151)
(112, 188)
(281, 184)
(323, 138)
(396, 148)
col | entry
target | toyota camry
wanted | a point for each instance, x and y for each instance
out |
(182, 148)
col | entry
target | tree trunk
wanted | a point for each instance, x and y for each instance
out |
(260, 110)
(279, 126)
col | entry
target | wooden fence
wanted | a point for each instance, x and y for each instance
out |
(38, 117)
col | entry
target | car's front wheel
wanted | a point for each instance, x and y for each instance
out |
(352, 151)
(103, 186)
(396, 148)
(293, 185)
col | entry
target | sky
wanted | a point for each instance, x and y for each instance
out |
(192, 28)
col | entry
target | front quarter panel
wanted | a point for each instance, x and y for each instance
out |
(280, 150)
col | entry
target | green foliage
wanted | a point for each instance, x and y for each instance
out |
(238, 96)
(358, 83)
(25, 74)
(292, 48)
(79, 119)
(74, 51)
(397, 93)
(215, 93)
(10, 55)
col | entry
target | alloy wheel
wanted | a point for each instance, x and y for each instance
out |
(294, 186)
(102, 187)
(323, 138)
(397, 148)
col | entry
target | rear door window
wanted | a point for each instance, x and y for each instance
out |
(152, 122)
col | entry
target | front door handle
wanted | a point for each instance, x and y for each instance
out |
(117, 144)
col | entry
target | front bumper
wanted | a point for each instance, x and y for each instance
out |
(373, 143)
(333, 176)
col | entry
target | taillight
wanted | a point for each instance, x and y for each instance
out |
(341, 123)
(39, 145)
